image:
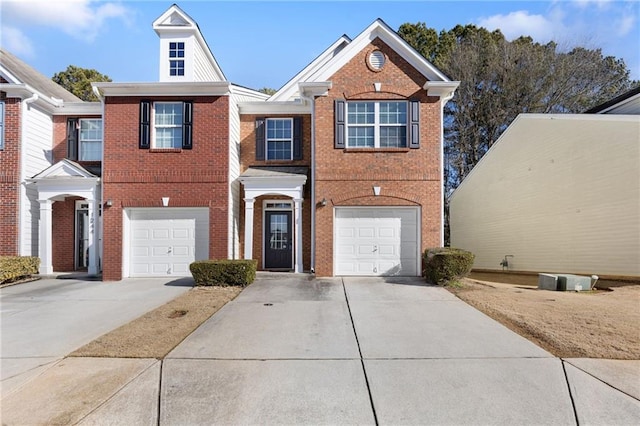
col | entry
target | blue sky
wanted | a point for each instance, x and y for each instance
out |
(263, 44)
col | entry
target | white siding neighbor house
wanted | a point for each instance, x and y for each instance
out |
(557, 193)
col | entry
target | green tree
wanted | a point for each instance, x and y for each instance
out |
(500, 79)
(78, 81)
(269, 91)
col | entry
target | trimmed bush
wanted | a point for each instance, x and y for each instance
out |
(224, 272)
(13, 268)
(443, 264)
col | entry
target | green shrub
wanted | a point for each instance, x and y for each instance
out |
(13, 268)
(224, 272)
(444, 264)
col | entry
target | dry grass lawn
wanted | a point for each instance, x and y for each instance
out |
(157, 332)
(599, 324)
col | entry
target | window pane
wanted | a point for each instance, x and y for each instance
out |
(360, 113)
(169, 137)
(168, 114)
(393, 113)
(279, 138)
(361, 137)
(393, 137)
(279, 236)
(90, 140)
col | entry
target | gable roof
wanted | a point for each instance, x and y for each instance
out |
(632, 95)
(16, 71)
(344, 49)
(175, 19)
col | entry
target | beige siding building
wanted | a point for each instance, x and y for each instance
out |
(559, 193)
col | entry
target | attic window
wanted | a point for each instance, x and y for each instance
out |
(176, 58)
(376, 60)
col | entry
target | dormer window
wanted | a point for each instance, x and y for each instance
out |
(176, 58)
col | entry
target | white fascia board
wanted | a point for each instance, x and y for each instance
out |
(320, 88)
(79, 108)
(620, 104)
(442, 89)
(290, 107)
(379, 29)
(244, 91)
(12, 79)
(289, 90)
(24, 91)
(215, 88)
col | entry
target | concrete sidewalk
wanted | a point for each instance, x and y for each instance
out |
(294, 350)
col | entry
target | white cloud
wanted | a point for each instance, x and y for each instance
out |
(82, 19)
(522, 23)
(600, 4)
(13, 40)
(625, 24)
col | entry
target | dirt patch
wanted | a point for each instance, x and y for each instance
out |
(157, 332)
(599, 324)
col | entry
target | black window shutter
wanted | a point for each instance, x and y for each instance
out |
(297, 138)
(414, 124)
(145, 125)
(72, 139)
(340, 128)
(187, 125)
(260, 125)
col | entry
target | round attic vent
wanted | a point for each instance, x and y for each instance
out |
(376, 60)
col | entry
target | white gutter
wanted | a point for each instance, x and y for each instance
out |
(23, 160)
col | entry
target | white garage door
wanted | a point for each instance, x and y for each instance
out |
(164, 241)
(376, 241)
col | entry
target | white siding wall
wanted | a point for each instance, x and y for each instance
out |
(37, 143)
(560, 194)
(202, 68)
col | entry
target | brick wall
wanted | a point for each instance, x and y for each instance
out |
(136, 177)
(248, 159)
(407, 177)
(10, 178)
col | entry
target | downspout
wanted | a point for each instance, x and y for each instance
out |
(23, 177)
(311, 99)
(443, 102)
(100, 228)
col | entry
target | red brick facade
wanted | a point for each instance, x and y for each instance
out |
(10, 178)
(135, 177)
(407, 177)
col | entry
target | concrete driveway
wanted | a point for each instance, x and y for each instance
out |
(296, 350)
(44, 320)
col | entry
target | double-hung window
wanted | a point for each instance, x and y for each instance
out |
(377, 124)
(176, 58)
(166, 125)
(90, 139)
(279, 138)
(383, 124)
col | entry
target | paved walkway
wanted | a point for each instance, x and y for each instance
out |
(294, 350)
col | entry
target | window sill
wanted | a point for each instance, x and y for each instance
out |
(349, 150)
(165, 150)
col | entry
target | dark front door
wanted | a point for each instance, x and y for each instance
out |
(278, 238)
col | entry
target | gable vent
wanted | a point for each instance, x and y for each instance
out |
(376, 60)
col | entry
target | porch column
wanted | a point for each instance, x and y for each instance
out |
(297, 213)
(45, 247)
(93, 237)
(248, 228)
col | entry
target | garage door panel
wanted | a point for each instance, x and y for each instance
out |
(376, 241)
(165, 241)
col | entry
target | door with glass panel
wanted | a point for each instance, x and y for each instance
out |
(278, 240)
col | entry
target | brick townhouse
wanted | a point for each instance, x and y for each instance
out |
(338, 173)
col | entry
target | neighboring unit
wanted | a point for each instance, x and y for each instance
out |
(339, 172)
(558, 192)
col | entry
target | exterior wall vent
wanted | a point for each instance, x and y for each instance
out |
(376, 60)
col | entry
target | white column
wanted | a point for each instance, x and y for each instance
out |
(93, 237)
(45, 247)
(248, 228)
(297, 213)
